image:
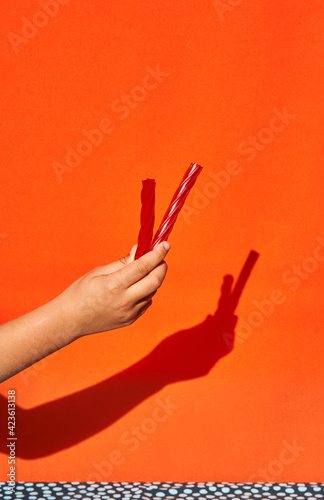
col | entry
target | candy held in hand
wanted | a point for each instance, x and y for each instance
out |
(145, 242)
(176, 204)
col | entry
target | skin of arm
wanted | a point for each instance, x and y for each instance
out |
(108, 297)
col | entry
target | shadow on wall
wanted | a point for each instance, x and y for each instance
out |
(187, 354)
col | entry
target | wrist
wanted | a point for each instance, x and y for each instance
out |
(65, 319)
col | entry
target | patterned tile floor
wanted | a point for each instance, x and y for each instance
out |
(162, 491)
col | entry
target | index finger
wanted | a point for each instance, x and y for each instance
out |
(139, 268)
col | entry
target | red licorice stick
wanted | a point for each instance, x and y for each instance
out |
(147, 217)
(176, 204)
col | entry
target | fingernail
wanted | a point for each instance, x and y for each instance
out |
(166, 246)
(133, 250)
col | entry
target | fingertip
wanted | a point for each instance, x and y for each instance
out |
(166, 246)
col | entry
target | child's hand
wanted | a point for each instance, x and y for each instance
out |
(114, 295)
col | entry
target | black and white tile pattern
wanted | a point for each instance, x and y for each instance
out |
(162, 491)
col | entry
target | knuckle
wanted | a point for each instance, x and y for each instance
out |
(113, 285)
(124, 308)
(157, 281)
(126, 317)
(142, 267)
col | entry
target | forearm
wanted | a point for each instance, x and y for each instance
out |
(31, 337)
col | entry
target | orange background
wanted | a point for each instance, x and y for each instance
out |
(226, 74)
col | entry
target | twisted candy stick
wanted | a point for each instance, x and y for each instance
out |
(176, 204)
(147, 217)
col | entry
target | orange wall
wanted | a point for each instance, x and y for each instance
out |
(226, 73)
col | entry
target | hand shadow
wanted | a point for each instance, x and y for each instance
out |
(187, 354)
